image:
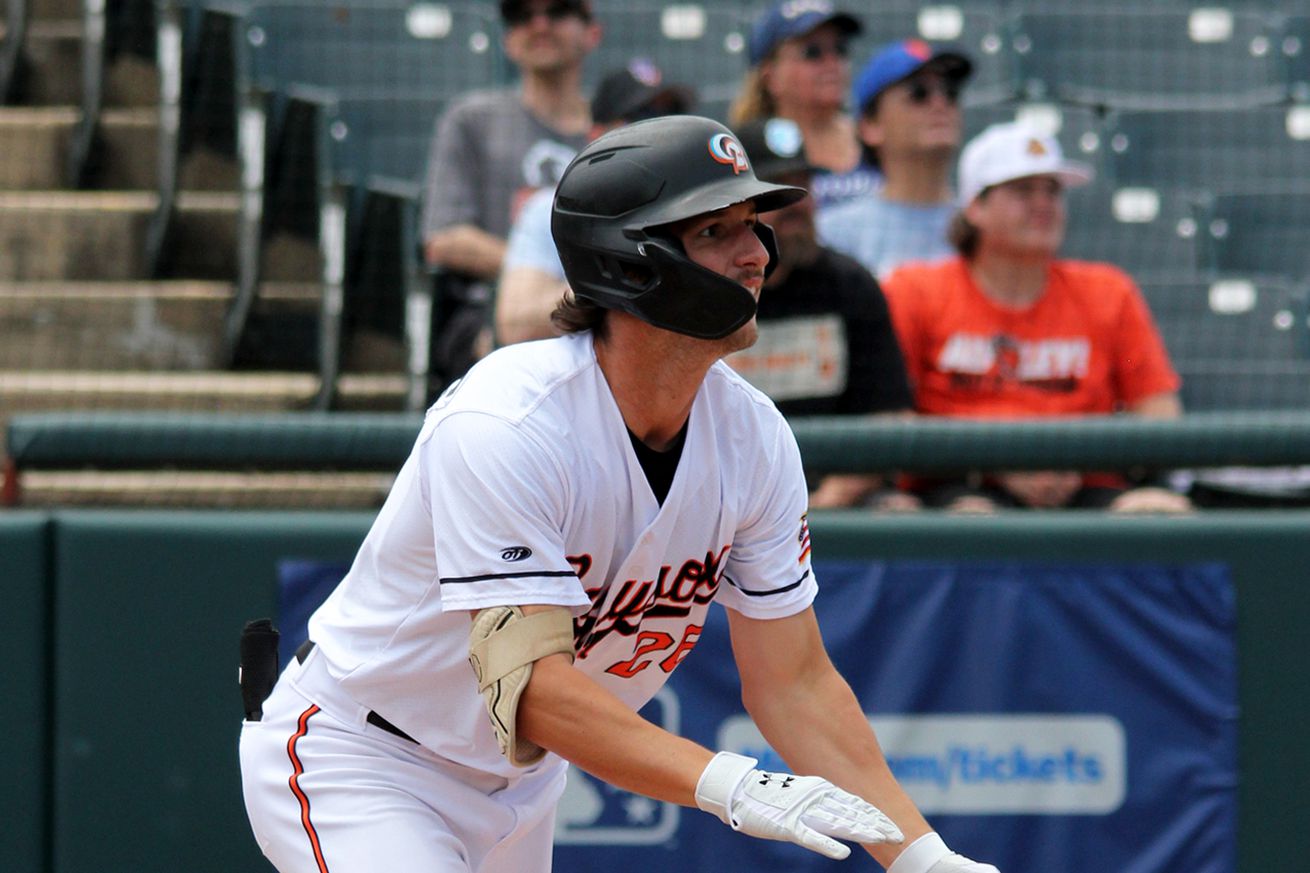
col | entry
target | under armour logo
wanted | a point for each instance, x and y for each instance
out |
(766, 778)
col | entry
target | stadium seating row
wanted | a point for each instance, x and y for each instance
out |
(1187, 111)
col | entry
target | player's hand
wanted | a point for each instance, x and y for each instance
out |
(929, 854)
(805, 810)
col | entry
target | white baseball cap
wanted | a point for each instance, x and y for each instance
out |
(1014, 150)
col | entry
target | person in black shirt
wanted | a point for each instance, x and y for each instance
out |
(826, 344)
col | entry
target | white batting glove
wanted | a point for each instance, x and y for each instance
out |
(929, 854)
(805, 810)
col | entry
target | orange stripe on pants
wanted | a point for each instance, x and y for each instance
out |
(302, 728)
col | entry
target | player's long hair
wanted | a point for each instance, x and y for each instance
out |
(575, 314)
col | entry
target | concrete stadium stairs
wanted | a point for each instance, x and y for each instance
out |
(83, 327)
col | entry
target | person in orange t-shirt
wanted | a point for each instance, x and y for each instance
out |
(1008, 330)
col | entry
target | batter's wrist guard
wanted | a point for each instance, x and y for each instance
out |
(929, 854)
(806, 810)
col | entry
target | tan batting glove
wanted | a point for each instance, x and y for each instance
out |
(805, 810)
(929, 854)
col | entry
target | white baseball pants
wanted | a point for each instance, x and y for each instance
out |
(326, 792)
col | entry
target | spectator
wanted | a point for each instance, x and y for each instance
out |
(1009, 330)
(826, 344)
(909, 122)
(493, 148)
(799, 70)
(532, 282)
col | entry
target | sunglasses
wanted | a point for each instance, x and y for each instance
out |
(920, 91)
(555, 12)
(814, 51)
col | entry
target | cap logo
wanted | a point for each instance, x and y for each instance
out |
(726, 150)
(918, 48)
(1036, 149)
(797, 8)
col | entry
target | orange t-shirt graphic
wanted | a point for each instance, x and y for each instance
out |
(1087, 346)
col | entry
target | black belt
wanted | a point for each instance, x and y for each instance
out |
(373, 718)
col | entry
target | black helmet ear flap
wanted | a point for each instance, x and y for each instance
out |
(770, 241)
(711, 306)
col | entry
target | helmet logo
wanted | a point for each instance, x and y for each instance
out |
(726, 150)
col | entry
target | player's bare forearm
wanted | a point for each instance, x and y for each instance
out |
(463, 248)
(810, 716)
(565, 711)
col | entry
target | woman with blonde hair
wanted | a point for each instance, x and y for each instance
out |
(800, 71)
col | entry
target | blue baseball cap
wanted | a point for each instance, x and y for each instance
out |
(903, 59)
(794, 18)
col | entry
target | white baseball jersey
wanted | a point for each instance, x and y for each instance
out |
(523, 488)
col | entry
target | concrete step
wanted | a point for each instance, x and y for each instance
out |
(34, 141)
(100, 235)
(46, 9)
(132, 325)
(204, 489)
(52, 69)
(49, 391)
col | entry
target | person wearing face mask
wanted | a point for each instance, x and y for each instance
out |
(908, 98)
(800, 70)
(1010, 330)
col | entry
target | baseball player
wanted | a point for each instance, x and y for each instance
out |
(548, 556)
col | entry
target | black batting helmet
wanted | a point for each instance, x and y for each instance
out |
(618, 193)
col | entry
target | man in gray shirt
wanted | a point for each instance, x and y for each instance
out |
(493, 148)
(908, 100)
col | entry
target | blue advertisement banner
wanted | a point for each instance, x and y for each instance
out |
(1045, 717)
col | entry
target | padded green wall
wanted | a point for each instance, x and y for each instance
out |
(24, 552)
(149, 609)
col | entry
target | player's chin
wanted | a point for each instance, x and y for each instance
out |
(742, 338)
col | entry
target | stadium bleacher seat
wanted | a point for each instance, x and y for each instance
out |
(379, 48)
(391, 134)
(1296, 49)
(1262, 232)
(1145, 233)
(1148, 57)
(1210, 149)
(12, 37)
(702, 45)
(1232, 386)
(978, 29)
(1238, 342)
(1230, 318)
(316, 101)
